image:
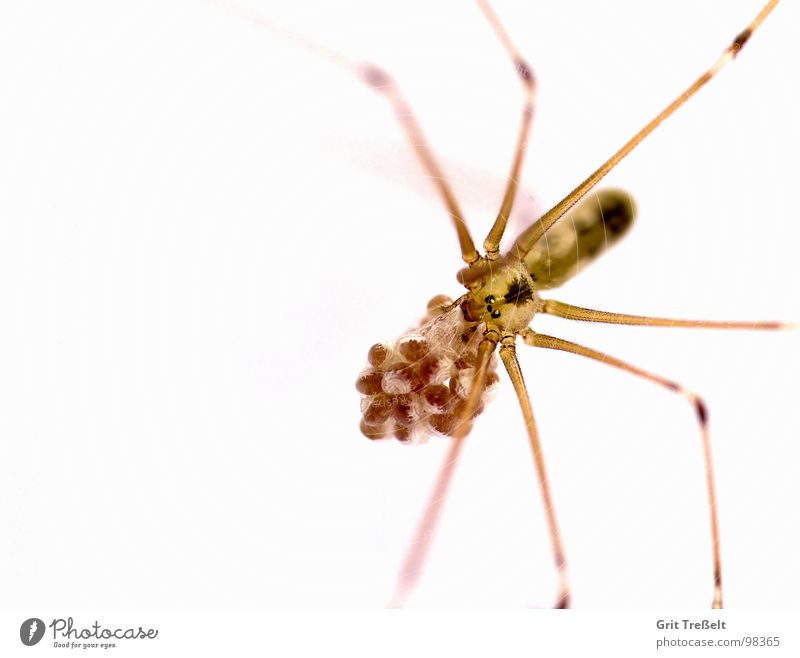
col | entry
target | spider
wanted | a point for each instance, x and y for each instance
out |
(499, 302)
(434, 379)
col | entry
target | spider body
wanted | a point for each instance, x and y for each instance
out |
(415, 386)
(506, 297)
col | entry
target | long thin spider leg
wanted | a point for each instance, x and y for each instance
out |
(530, 236)
(382, 82)
(570, 312)
(508, 354)
(414, 562)
(541, 340)
(525, 73)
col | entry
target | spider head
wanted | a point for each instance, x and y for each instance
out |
(504, 298)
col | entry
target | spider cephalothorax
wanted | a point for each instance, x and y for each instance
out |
(505, 299)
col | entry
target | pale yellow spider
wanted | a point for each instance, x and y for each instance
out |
(433, 380)
(427, 382)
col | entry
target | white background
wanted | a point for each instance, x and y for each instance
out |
(205, 226)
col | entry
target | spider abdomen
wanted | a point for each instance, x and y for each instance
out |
(591, 227)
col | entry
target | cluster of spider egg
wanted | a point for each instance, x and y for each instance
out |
(418, 385)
